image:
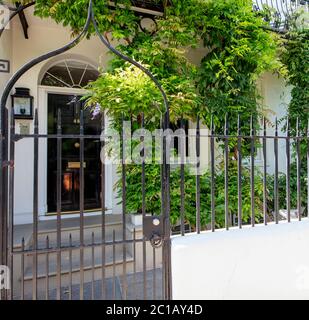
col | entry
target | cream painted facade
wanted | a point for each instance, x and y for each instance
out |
(44, 36)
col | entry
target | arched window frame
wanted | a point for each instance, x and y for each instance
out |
(53, 77)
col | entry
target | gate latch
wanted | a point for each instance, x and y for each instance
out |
(153, 230)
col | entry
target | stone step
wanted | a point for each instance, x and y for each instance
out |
(113, 288)
(89, 261)
(90, 235)
(91, 291)
(69, 226)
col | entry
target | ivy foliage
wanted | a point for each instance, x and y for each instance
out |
(295, 57)
(153, 194)
(135, 93)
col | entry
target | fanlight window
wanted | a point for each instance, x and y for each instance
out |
(70, 74)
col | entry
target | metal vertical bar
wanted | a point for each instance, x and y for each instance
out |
(103, 205)
(182, 182)
(154, 275)
(226, 173)
(47, 269)
(288, 171)
(4, 247)
(134, 264)
(59, 200)
(197, 180)
(163, 202)
(35, 206)
(92, 266)
(144, 213)
(166, 216)
(239, 173)
(264, 172)
(298, 165)
(11, 200)
(124, 204)
(23, 269)
(252, 180)
(70, 266)
(276, 184)
(163, 274)
(114, 267)
(3, 188)
(81, 199)
(212, 166)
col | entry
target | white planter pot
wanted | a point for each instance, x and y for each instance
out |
(137, 219)
(294, 213)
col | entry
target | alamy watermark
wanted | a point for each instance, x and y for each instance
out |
(4, 17)
(4, 278)
(150, 147)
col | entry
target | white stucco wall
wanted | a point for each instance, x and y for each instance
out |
(254, 263)
(276, 96)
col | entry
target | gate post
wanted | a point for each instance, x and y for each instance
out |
(167, 272)
(3, 191)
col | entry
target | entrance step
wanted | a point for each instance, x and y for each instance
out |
(68, 226)
(113, 289)
(71, 229)
(75, 266)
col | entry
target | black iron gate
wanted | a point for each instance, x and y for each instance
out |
(95, 257)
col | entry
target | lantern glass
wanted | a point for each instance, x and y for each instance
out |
(22, 106)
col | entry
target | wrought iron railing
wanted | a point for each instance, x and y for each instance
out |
(266, 164)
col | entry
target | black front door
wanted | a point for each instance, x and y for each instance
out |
(70, 123)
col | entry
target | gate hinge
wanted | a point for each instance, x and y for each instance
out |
(8, 164)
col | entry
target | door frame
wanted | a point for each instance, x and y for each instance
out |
(42, 106)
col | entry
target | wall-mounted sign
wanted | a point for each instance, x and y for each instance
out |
(4, 66)
(24, 128)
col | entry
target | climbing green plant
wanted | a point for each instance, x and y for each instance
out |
(295, 58)
(153, 194)
(239, 49)
(126, 91)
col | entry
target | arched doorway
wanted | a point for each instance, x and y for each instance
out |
(66, 80)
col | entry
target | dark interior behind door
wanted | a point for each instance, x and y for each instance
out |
(70, 122)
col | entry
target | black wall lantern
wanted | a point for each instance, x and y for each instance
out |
(22, 103)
